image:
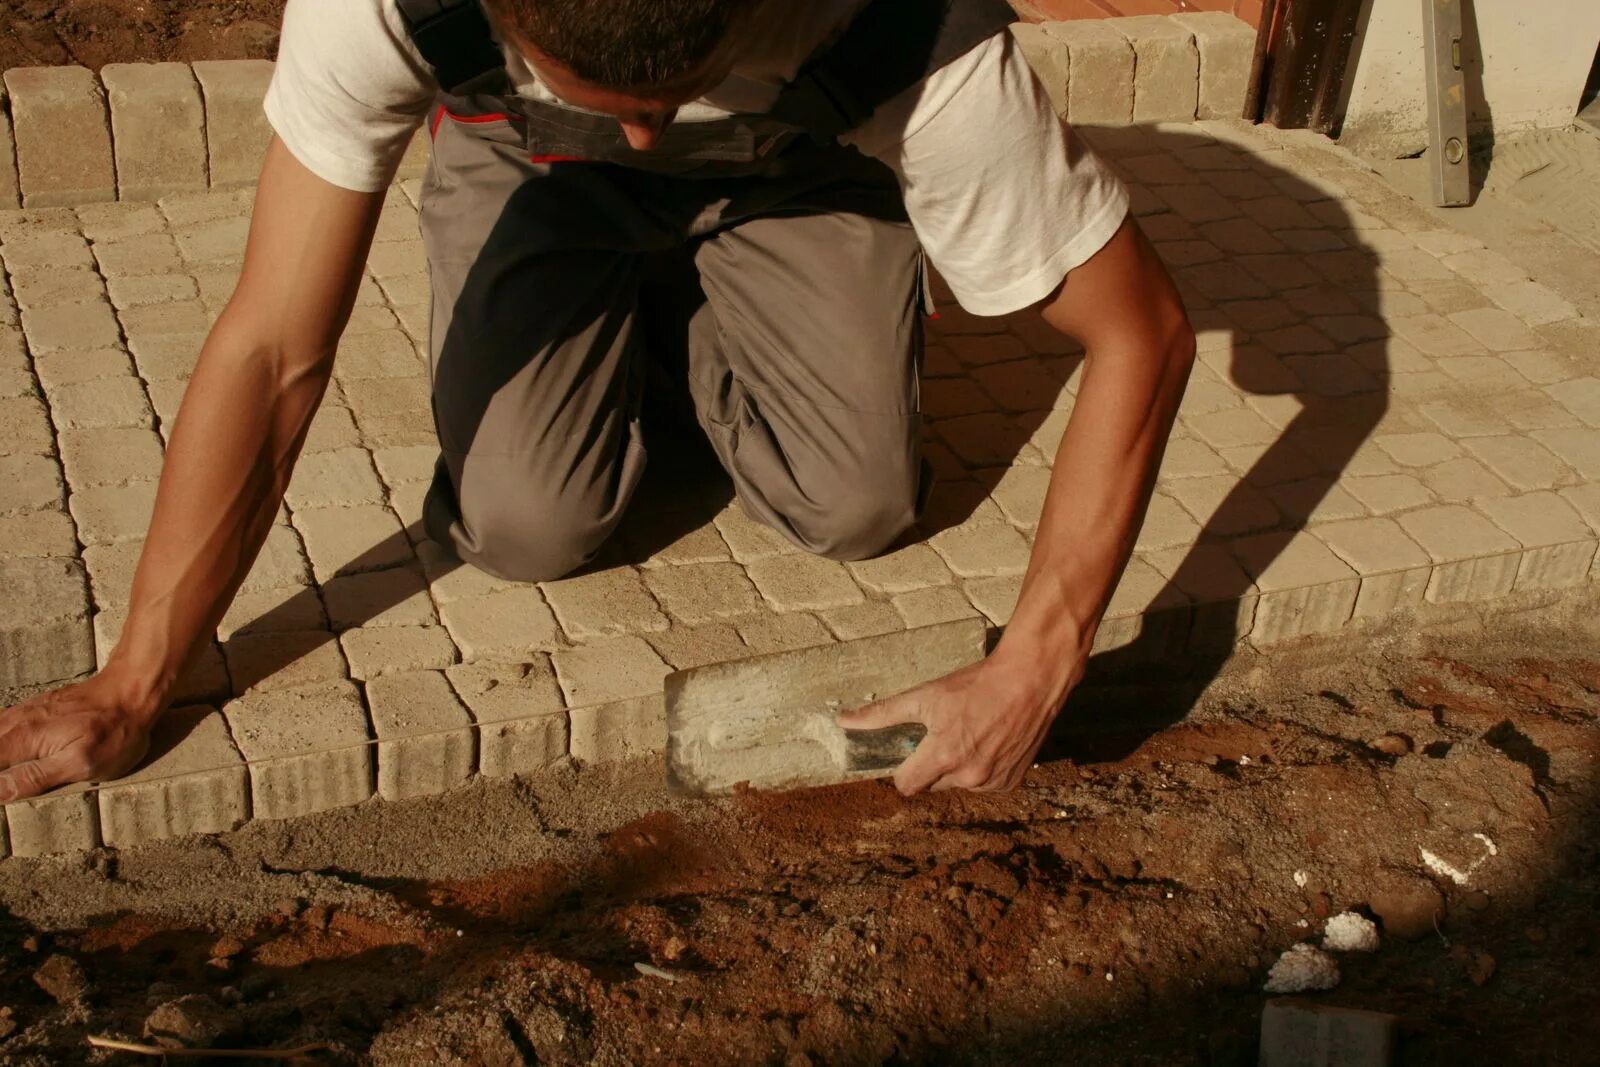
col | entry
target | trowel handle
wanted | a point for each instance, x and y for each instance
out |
(876, 750)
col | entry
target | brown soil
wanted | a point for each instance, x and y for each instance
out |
(96, 32)
(1125, 905)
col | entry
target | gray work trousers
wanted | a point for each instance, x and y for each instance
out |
(792, 298)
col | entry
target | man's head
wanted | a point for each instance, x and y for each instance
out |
(639, 60)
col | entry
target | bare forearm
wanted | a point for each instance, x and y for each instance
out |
(233, 445)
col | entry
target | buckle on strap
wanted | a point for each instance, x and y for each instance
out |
(455, 39)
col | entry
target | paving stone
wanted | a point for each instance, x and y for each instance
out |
(1166, 525)
(1224, 506)
(697, 593)
(1434, 335)
(160, 320)
(1100, 91)
(1394, 569)
(1558, 546)
(132, 291)
(1580, 396)
(983, 347)
(45, 635)
(1461, 418)
(1462, 480)
(101, 404)
(449, 579)
(40, 286)
(604, 603)
(1226, 45)
(10, 194)
(1473, 559)
(71, 327)
(349, 540)
(867, 619)
(404, 464)
(1294, 1032)
(609, 670)
(1523, 463)
(1049, 59)
(1021, 385)
(193, 781)
(168, 358)
(1586, 499)
(280, 564)
(425, 735)
(1166, 68)
(1147, 618)
(334, 478)
(204, 681)
(1226, 429)
(111, 514)
(28, 483)
(1486, 268)
(397, 596)
(507, 624)
(1578, 448)
(783, 633)
(268, 611)
(1418, 449)
(520, 715)
(926, 607)
(983, 550)
(284, 659)
(383, 354)
(62, 136)
(111, 569)
(1311, 501)
(158, 128)
(1223, 596)
(1020, 493)
(38, 533)
(62, 821)
(804, 583)
(1534, 304)
(107, 222)
(684, 647)
(1303, 587)
(1497, 330)
(308, 749)
(915, 566)
(995, 598)
(237, 131)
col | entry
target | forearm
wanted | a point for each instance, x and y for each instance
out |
(233, 445)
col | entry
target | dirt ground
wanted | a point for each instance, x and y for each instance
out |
(96, 32)
(1123, 907)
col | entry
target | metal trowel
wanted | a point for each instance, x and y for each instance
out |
(769, 722)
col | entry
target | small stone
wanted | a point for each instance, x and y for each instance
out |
(1303, 967)
(1392, 745)
(62, 977)
(1350, 932)
(8, 1023)
(195, 1021)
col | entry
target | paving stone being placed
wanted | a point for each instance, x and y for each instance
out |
(62, 136)
(308, 748)
(425, 737)
(519, 711)
(237, 131)
(45, 634)
(1295, 1033)
(158, 128)
(63, 820)
(193, 782)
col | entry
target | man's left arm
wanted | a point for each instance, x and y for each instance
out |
(987, 722)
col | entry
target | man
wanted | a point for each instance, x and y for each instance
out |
(732, 189)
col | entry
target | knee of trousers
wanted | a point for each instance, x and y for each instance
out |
(858, 521)
(530, 536)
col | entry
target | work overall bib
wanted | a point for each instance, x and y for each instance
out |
(773, 265)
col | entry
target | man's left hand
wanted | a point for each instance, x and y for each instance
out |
(985, 724)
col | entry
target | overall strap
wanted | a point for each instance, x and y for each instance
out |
(455, 39)
(888, 48)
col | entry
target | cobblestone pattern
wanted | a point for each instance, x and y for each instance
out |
(1383, 413)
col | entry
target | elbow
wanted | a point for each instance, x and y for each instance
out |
(1178, 345)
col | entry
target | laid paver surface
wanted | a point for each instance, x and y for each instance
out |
(1383, 412)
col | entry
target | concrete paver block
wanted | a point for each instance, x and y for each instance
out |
(397, 596)
(425, 738)
(519, 711)
(696, 593)
(506, 624)
(928, 607)
(103, 403)
(603, 604)
(25, 427)
(1166, 67)
(193, 782)
(307, 749)
(45, 635)
(1394, 569)
(804, 583)
(859, 620)
(378, 650)
(237, 131)
(1473, 559)
(62, 135)
(284, 659)
(607, 671)
(1300, 1034)
(71, 327)
(30, 482)
(1303, 587)
(623, 729)
(1558, 546)
(158, 128)
(912, 567)
(694, 646)
(984, 551)
(1226, 45)
(350, 540)
(63, 820)
(10, 194)
(1100, 90)
(1049, 58)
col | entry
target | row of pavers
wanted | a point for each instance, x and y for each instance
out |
(140, 131)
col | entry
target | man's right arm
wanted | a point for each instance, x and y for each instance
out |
(260, 376)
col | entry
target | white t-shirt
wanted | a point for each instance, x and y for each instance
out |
(1004, 200)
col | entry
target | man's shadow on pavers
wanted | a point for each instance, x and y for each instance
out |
(1311, 265)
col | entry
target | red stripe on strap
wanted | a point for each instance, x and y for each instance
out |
(557, 159)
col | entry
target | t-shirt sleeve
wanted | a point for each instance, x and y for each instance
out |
(1005, 200)
(349, 90)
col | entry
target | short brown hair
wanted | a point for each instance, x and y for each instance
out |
(621, 44)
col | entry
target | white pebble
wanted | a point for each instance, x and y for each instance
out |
(1350, 932)
(1301, 968)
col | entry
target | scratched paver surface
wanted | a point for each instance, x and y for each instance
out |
(1384, 411)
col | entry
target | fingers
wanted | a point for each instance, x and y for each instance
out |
(892, 712)
(30, 778)
(921, 770)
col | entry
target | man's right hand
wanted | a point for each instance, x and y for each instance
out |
(84, 732)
